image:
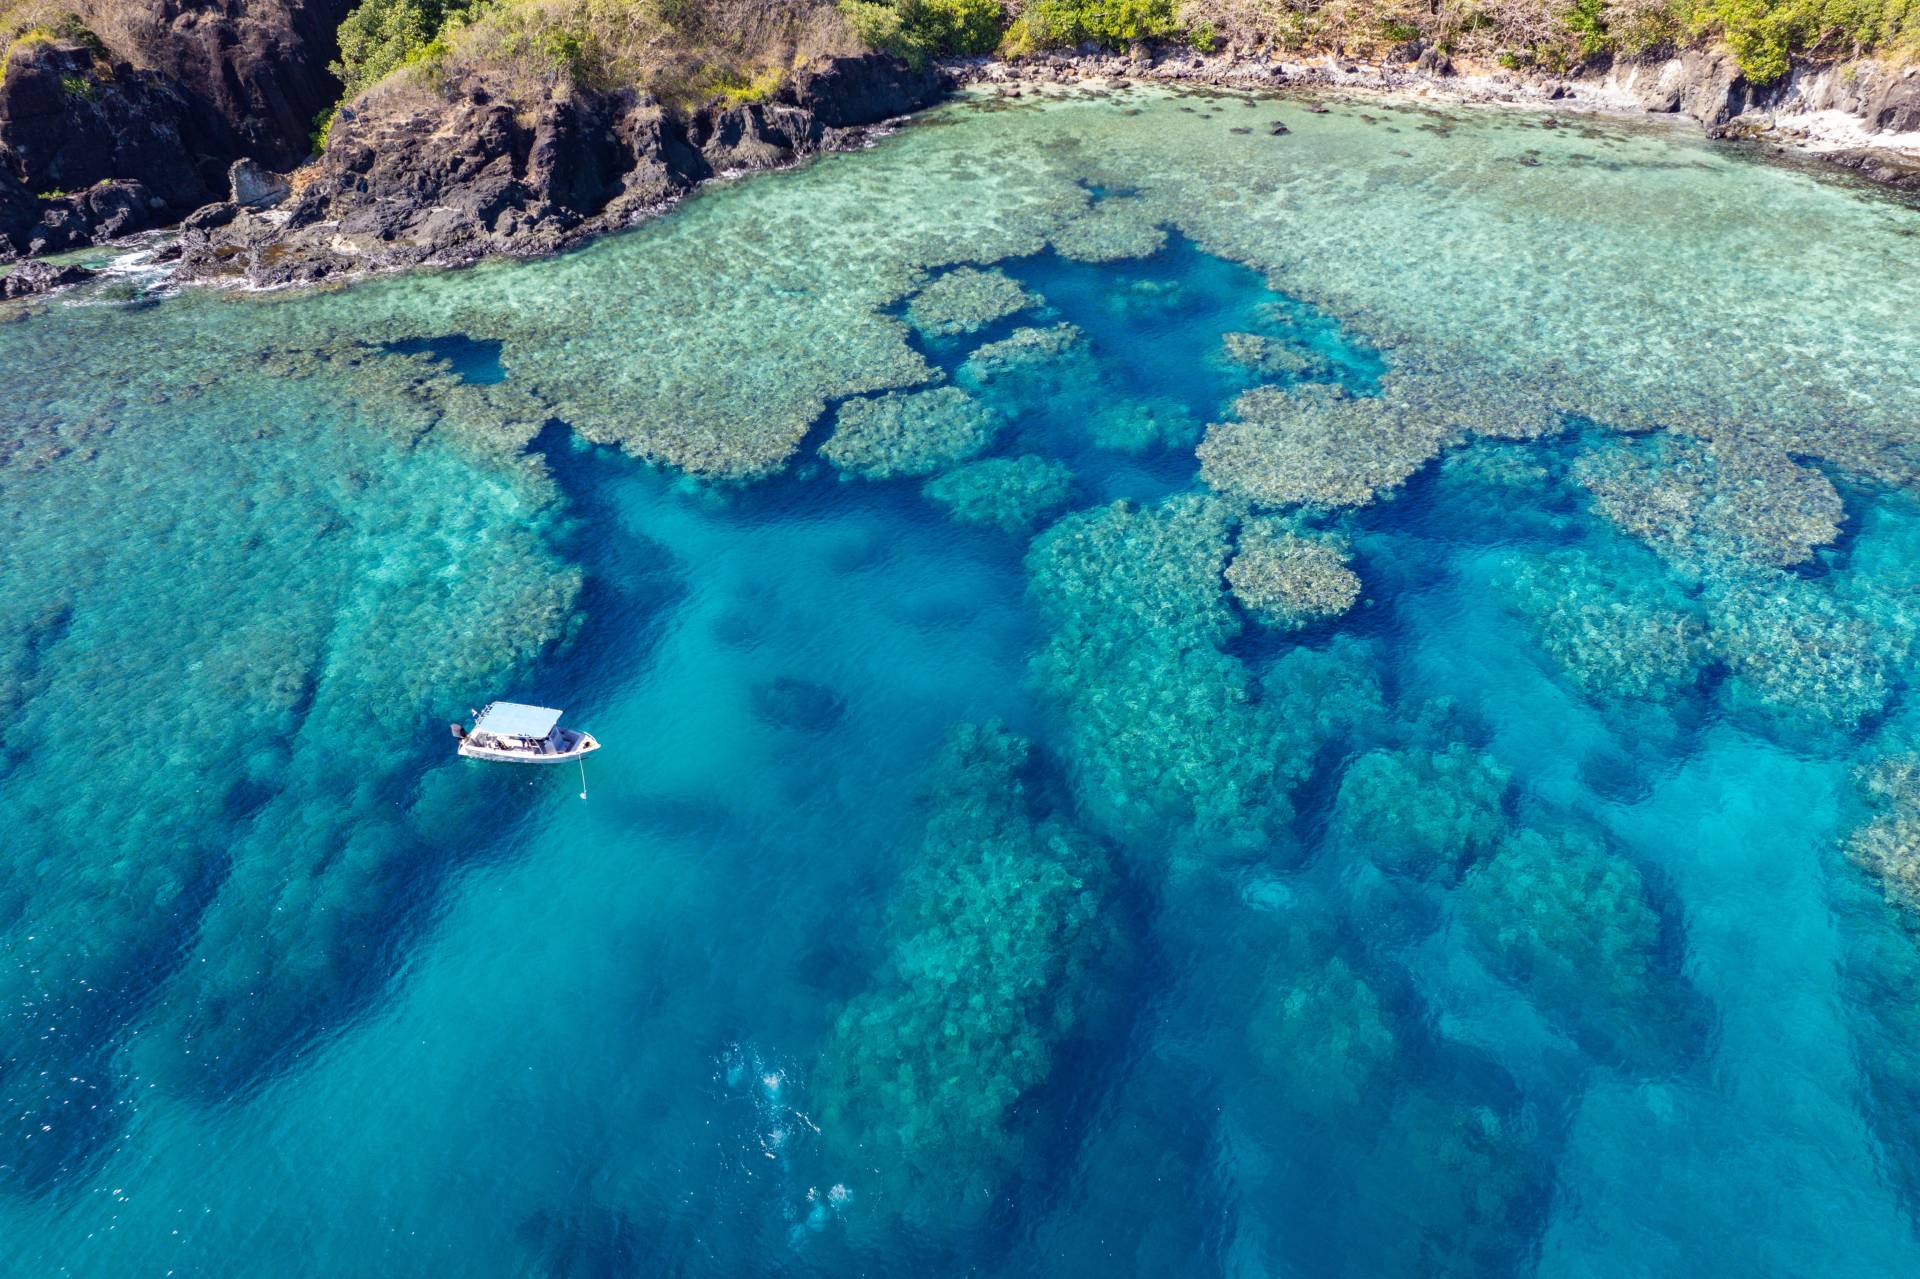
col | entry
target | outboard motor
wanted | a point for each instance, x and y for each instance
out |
(457, 731)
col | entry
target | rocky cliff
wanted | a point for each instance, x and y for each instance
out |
(1863, 116)
(104, 133)
(1707, 85)
(413, 176)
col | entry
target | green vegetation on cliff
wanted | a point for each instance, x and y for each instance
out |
(686, 51)
(683, 51)
(920, 29)
(1763, 35)
(381, 36)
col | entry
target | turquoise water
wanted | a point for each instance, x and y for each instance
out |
(1176, 701)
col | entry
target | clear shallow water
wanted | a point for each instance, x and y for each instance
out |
(1504, 923)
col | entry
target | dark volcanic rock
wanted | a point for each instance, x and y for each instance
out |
(843, 93)
(258, 66)
(160, 108)
(18, 212)
(412, 176)
(69, 120)
(1900, 172)
(29, 279)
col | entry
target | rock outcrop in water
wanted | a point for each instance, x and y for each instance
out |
(412, 177)
(107, 134)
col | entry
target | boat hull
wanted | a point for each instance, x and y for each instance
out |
(585, 745)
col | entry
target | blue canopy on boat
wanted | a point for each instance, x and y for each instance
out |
(511, 719)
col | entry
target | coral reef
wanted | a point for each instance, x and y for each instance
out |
(1457, 392)
(1512, 467)
(1272, 358)
(1888, 845)
(1321, 1037)
(1113, 230)
(1323, 696)
(1317, 446)
(1164, 730)
(966, 300)
(1421, 812)
(1012, 494)
(1565, 918)
(907, 433)
(1617, 627)
(1141, 425)
(1704, 504)
(1801, 658)
(1290, 581)
(263, 899)
(998, 940)
(1464, 1193)
(1019, 352)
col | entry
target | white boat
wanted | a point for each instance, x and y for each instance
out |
(513, 733)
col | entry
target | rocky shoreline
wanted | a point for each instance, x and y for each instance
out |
(391, 193)
(416, 177)
(1865, 119)
(448, 179)
(101, 141)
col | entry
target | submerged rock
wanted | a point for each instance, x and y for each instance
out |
(1000, 947)
(1013, 494)
(797, 704)
(905, 433)
(591, 1241)
(966, 300)
(1288, 580)
(30, 279)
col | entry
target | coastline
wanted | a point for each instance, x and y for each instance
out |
(383, 201)
(1788, 119)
